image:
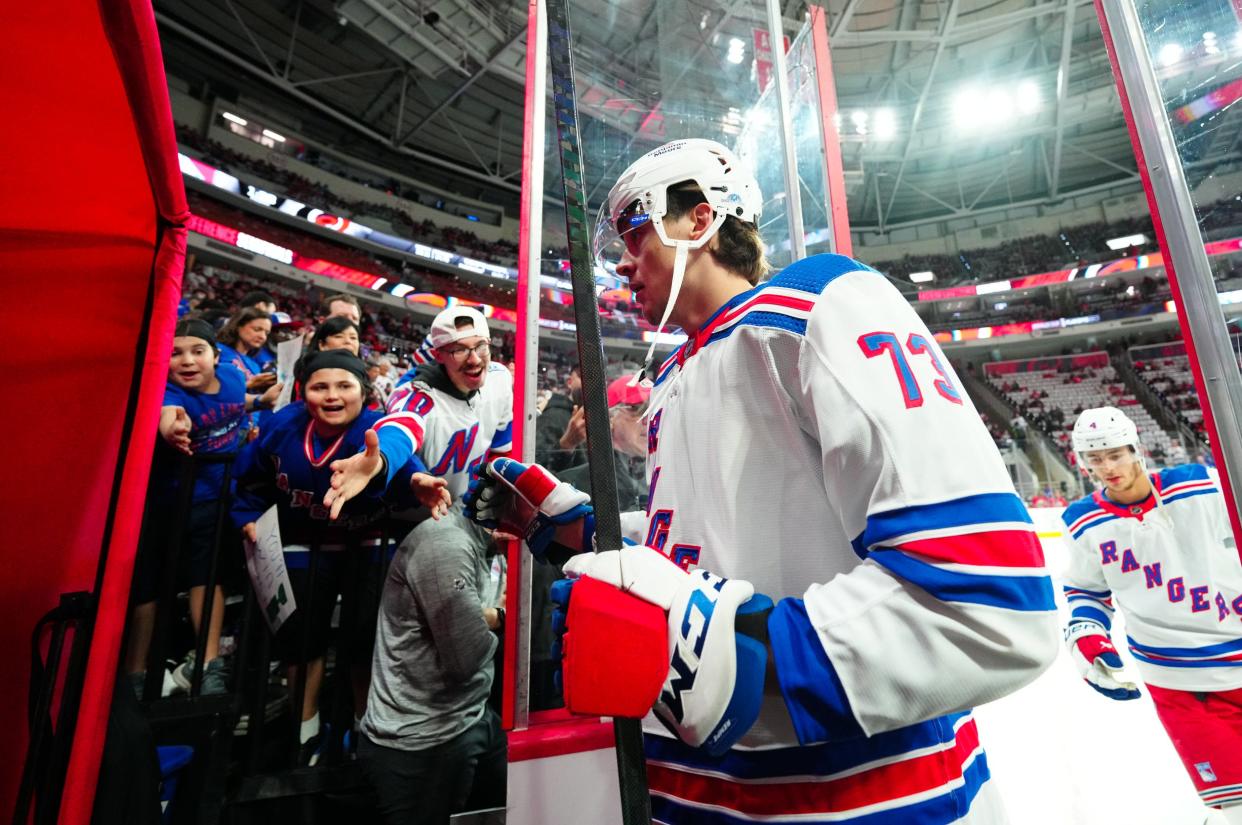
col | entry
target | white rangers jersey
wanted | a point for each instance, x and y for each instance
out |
(453, 433)
(812, 439)
(1173, 569)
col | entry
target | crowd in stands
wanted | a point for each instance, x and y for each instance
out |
(1169, 377)
(317, 194)
(1075, 246)
(218, 412)
(1000, 434)
(213, 293)
(1050, 401)
(1108, 298)
(423, 280)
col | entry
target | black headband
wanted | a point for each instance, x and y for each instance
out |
(334, 359)
(197, 328)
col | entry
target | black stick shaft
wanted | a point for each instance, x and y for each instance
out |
(631, 767)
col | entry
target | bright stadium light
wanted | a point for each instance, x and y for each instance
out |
(922, 277)
(999, 106)
(1126, 241)
(1028, 97)
(968, 108)
(240, 121)
(737, 50)
(1169, 54)
(859, 119)
(1209, 43)
(885, 124)
(269, 133)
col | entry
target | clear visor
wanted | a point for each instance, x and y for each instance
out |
(1113, 459)
(613, 235)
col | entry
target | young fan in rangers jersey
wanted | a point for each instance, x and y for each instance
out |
(1162, 545)
(291, 465)
(808, 445)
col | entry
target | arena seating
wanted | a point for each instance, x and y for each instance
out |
(1048, 394)
(294, 185)
(1074, 246)
(1166, 369)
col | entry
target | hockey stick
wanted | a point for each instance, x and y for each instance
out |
(631, 767)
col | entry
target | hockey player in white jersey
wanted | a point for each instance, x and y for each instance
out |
(1160, 547)
(811, 444)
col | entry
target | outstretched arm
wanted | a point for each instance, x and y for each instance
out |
(175, 428)
(389, 445)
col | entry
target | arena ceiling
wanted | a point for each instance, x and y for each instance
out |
(434, 88)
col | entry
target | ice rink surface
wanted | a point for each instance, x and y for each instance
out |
(1062, 754)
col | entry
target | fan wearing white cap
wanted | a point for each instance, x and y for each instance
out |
(809, 442)
(1160, 548)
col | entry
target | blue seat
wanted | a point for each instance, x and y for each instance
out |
(173, 759)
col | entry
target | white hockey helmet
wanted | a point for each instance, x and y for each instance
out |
(1104, 428)
(640, 196)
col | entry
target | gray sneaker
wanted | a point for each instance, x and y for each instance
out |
(215, 677)
(181, 673)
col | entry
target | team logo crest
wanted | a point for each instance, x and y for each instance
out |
(1205, 771)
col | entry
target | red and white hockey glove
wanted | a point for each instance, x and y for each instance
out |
(1097, 660)
(528, 501)
(643, 633)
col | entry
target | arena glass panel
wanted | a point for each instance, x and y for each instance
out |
(687, 72)
(1177, 64)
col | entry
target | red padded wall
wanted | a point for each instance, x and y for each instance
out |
(91, 251)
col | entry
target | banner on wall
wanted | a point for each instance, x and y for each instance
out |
(1100, 270)
(1056, 364)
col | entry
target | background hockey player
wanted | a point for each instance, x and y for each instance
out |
(811, 443)
(1160, 545)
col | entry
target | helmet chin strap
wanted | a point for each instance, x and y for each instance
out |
(1155, 492)
(679, 274)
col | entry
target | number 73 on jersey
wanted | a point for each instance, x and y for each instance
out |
(874, 344)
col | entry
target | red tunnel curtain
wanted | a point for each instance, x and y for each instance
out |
(91, 252)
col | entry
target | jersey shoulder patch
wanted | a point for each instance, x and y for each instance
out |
(813, 274)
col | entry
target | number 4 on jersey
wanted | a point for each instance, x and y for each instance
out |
(878, 343)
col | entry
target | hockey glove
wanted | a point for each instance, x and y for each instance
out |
(1097, 660)
(526, 500)
(639, 630)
